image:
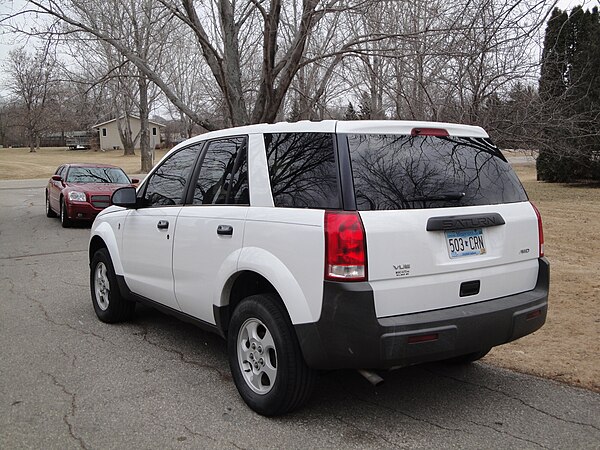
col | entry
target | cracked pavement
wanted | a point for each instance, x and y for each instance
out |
(70, 381)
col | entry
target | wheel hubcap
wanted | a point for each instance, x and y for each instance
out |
(101, 286)
(257, 356)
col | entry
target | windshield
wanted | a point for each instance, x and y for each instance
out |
(97, 175)
(416, 172)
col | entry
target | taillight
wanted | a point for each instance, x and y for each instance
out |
(345, 247)
(429, 132)
(540, 231)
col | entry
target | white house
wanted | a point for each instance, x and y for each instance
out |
(110, 138)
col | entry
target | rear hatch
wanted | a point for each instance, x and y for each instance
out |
(447, 221)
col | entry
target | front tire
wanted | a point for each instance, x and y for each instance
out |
(266, 362)
(64, 217)
(49, 211)
(109, 304)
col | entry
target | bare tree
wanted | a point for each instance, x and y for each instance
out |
(225, 32)
(140, 26)
(33, 86)
(134, 29)
(441, 61)
(190, 80)
(262, 60)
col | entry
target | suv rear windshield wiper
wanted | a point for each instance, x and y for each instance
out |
(441, 196)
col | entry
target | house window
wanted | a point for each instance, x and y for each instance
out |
(153, 131)
(104, 132)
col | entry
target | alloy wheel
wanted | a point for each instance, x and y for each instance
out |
(102, 286)
(257, 356)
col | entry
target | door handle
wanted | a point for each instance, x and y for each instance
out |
(225, 230)
(162, 224)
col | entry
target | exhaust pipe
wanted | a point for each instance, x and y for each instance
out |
(371, 377)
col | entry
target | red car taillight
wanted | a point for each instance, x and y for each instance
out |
(345, 247)
(540, 231)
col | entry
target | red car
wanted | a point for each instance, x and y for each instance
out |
(78, 192)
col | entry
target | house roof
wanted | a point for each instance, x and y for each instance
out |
(98, 125)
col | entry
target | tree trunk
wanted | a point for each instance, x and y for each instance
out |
(145, 148)
(189, 127)
(124, 127)
(128, 148)
(232, 72)
(128, 141)
(32, 142)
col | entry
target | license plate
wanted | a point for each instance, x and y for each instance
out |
(465, 243)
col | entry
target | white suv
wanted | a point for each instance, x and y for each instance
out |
(324, 245)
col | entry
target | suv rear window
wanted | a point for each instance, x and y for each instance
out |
(417, 172)
(303, 170)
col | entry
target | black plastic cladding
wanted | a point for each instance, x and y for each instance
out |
(349, 335)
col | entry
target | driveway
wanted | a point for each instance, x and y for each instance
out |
(70, 381)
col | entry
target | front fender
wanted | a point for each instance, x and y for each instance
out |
(106, 232)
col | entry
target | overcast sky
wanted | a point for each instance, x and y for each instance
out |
(8, 8)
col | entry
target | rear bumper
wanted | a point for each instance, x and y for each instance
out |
(349, 335)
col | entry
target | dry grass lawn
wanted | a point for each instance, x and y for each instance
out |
(18, 163)
(567, 348)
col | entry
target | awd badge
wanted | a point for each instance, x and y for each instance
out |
(402, 270)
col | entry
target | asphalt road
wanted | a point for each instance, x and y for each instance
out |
(70, 381)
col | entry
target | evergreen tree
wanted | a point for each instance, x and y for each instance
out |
(570, 97)
(294, 115)
(350, 112)
(365, 107)
(584, 71)
(554, 57)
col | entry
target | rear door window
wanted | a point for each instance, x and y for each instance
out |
(223, 177)
(303, 170)
(417, 172)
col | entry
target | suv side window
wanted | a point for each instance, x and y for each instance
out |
(223, 177)
(303, 170)
(167, 184)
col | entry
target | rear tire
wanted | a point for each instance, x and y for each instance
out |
(49, 211)
(64, 217)
(468, 358)
(266, 362)
(109, 304)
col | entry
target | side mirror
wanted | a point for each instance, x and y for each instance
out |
(125, 197)
(135, 180)
(56, 177)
